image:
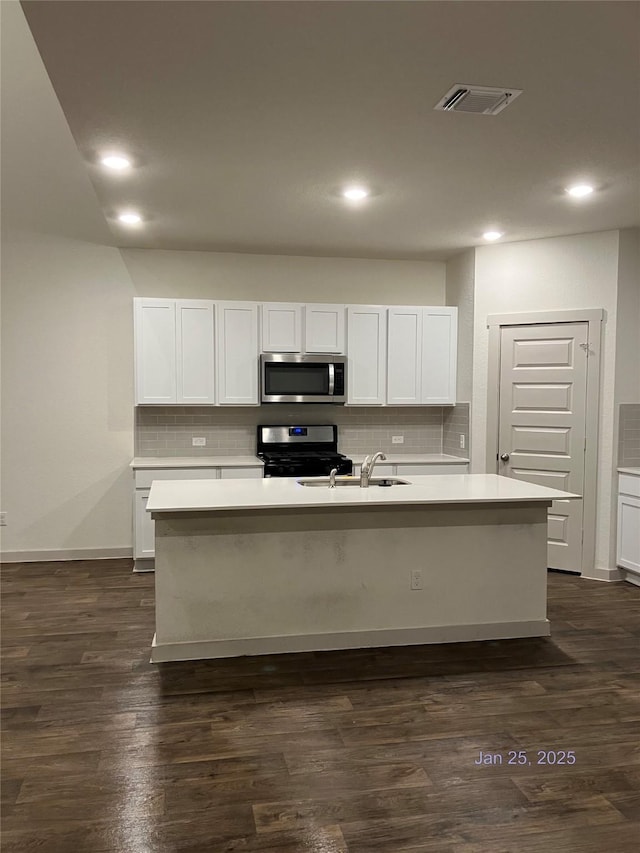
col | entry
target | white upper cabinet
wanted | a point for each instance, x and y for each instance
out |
(324, 328)
(281, 327)
(367, 355)
(237, 353)
(404, 364)
(422, 356)
(174, 351)
(155, 350)
(194, 349)
(439, 356)
(199, 352)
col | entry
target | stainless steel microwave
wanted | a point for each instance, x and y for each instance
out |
(287, 378)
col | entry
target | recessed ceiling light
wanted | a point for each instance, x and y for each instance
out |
(116, 162)
(355, 193)
(130, 218)
(492, 235)
(580, 190)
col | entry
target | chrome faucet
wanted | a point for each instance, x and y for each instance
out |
(366, 469)
(332, 478)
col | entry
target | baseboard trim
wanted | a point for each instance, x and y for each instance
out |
(209, 649)
(144, 564)
(630, 577)
(58, 554)
(601, 574)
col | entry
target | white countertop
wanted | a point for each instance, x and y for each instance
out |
(635, 471)
(287, 493)
(196, 462)
(253, 461)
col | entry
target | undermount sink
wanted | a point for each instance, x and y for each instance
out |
(383, 482)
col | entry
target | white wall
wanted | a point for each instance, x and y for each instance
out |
(628, 312)
(559, 273)
(68, 365)
(460, 280)
(67, 319)
(66, 382)
(212, 275)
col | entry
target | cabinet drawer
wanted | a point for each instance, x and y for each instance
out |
(425, 470)
(145, 476)
(241, 473)
(629, 484)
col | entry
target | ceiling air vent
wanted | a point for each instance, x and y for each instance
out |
(486, 100)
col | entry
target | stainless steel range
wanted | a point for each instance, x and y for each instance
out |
(301, 451)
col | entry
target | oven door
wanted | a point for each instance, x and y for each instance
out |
(302, 379)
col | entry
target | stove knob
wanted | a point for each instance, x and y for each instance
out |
(280, 469)
(291, 469)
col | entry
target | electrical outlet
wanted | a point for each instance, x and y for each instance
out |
(416, 579)
(3, 519)
(397, 439)
(461, 441)
(199, 441)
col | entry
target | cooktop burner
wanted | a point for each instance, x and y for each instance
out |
(306, 451)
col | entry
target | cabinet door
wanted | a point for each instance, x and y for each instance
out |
(144, 530)
(324, 328)
(367, 355)
(439, 356)
(629, 533)
(281, 327)
(237, 353)
(404, 363)
(194, 348)
(155, 350)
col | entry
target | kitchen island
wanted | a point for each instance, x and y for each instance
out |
(266, 566)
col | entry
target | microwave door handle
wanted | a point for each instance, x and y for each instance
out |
(332, 378)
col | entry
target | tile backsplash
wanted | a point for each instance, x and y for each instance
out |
(629, 435)
(168, 430)
(455, 422)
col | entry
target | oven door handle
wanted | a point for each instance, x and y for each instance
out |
(332, 378)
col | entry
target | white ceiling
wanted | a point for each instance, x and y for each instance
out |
(246, 118)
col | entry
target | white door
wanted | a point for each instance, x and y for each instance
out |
(281, 327)
(367, 355)
(237, 353)
(194, 346)
(543, 384)
(324, 328)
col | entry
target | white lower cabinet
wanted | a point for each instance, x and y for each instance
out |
(144, 525)
(628, 540)
(143, 539)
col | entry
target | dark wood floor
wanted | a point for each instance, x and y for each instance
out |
(359, 751)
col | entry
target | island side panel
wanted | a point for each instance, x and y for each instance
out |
(252, 582)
